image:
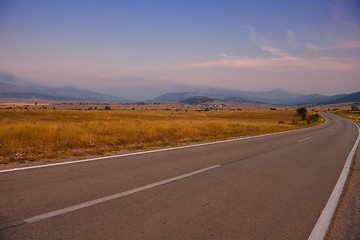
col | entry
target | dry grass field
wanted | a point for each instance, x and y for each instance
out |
(352, 115)
(33, 134)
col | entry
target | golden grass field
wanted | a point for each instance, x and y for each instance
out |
(353, 116)
(33, 134)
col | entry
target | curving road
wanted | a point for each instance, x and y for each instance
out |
(269, 187)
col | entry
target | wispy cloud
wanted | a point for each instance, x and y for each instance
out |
(255, 37)
(281, 63)
(340, 17)
(290, 36)
(278, 53)
(281, 59)
(337, 44)
(344, 35)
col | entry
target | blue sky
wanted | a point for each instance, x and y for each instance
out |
(139, 49)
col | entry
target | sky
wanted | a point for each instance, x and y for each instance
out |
(140, 49)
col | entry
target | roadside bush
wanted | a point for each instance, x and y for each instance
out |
(314, 118)
(354, 107)
(302, 112)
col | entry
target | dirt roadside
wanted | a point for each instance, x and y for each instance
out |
(346, 220)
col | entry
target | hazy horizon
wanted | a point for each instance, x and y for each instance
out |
(145, 48)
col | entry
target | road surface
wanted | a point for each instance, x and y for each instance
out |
(270, 187)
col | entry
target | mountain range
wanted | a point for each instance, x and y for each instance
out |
(12, 87)
(19, 90)
(277, 97)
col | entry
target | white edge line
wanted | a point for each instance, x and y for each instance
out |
(158, 150)
(323, 223)
(305, 139)
(114, 196)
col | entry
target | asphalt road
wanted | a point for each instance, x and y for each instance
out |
(272, 187)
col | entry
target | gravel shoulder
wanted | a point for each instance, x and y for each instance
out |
(346, 220)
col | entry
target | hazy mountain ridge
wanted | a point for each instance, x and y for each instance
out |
(352, 97)
(277, 96)
(177, 96)
(9, 88)
(197, 100)
(13, 87)
(203, 99)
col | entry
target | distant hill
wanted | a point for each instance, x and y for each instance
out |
(352, 97)
(30, 95)
(273, 97)
(277, 96)
(8, 87)
(180, 96)
(80, 94)
(236, 99)
(202, 99)
(197, 100)
(9, 90)
(12, 87)
(176, 96)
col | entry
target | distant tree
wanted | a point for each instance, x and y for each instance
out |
(354, 107)
(313, 118)
(107, 107)
(302, 112)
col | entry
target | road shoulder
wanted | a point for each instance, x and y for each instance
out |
(346, 220)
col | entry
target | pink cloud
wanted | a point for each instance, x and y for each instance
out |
(280, 63)
(281, 60)
(278, 52)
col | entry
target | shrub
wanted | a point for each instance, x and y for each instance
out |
(313, 118)
(302, 112)
(354, 107)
